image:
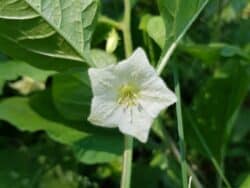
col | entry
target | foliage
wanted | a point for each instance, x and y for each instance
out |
(45, 138)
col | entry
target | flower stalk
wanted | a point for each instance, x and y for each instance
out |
(127, 162)
(111, 22)
(128, 140)
(126, 28)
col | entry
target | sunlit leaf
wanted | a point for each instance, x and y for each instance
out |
(156, 30)
(48, 34)
(90, 144)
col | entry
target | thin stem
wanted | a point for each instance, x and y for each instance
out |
(126, 28)
(128, 147)
(190, 182)
(127, 162)
(180, 131)
(111, 22)
(164, 60)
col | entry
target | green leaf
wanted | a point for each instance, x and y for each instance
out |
(48, 34)
(214, 51)
(156, 30)
(19, 108)
(245, 183)
(215, 108)
(178, 15)
(11, 70)
(72, 94)
(101, 58)
(71, 90)
(242, 127)
(90, 144)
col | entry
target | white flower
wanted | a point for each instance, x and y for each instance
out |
(128, 95)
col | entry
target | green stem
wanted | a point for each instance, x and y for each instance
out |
(164, 60)
(180, 131)
(127, 162)
(111, 22)
(190, 182)
(128, 147)
(126, 28)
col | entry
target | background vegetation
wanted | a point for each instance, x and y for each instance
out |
(45, 140)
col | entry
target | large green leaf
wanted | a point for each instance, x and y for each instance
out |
(72, 94)
(48, 34)
(178, 15)
(91, 144)
(100, 58)
(71, 90)
(11, 70)
(214, 109)
(242, 127)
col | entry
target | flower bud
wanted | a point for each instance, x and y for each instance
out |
(112, 41)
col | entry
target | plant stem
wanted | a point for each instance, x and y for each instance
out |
(126, 28)
(164, 60)
(127, 162)
(111, 22)
(190, 182)
(180, 131)
(128, 146)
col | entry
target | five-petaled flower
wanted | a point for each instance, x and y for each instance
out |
(128, 95)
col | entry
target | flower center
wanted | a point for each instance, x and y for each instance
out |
(128, 95)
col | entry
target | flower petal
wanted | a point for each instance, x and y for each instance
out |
(104, 82)
(136, 122)
(105, 113)
(136, 69)
(155, 96)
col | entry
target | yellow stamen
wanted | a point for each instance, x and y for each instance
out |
(128, 95)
